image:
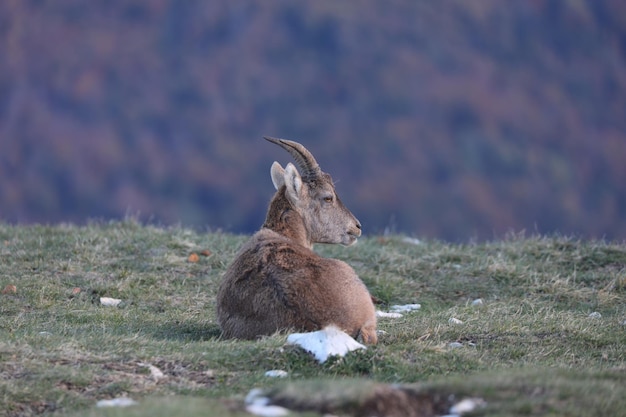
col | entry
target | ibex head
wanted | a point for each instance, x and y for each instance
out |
(312, 195)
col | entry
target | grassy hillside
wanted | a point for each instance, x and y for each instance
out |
(532, 348)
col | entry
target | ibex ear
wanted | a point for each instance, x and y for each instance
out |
(278, 175)
(293, 181)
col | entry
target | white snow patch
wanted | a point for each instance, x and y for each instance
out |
(112, 302)
(259, 405)
(411, 240)
(276, 373)
(477, 302)
(384, 314)
(595, 315)
(117, 402)
(395, 310)
(330, 341)
(454, 320)
(256, 395)
(404, 308)
(266, 410)
(465, 406)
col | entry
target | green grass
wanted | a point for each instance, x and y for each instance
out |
(531, 349)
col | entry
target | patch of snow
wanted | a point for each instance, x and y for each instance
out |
(411, 240)
(267, 410)
(117, 402)
(477, 302)
(255, 394)
(595, 315)
(455, 345)
(466, 406)
(454, 320)
(112, 302)
(384, 314)
(330, 341)
(404, 308)
(259, 405)
(276, 373)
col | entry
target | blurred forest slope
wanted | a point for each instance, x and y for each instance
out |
(447, 119)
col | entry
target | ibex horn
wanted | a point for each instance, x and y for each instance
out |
(309, 169)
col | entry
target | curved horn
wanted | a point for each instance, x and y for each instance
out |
(306, 162)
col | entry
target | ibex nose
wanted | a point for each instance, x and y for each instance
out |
(358, 226)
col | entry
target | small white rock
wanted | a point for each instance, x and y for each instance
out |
(595, 315)
(384, 314)
(404, 308)
(107, 301)
(276, 373)
(454, 320)
(117, 402)
(477, 302)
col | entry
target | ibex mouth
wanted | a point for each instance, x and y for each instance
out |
(352, 236)
(350, 239)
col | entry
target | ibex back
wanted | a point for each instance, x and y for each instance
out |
(277, 282)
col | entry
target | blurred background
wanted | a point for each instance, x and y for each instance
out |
(455, 120)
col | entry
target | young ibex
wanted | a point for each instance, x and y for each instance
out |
(277, 282)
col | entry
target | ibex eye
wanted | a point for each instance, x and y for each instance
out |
(328, 199)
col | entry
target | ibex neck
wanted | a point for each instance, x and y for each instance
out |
(283, 219)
